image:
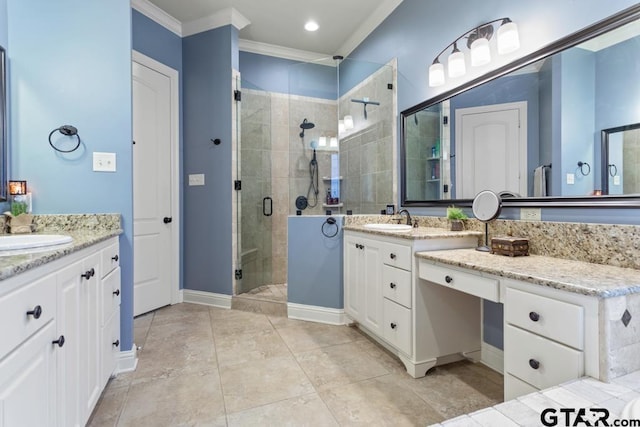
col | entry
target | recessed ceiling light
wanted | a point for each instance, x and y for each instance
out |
(311, 26)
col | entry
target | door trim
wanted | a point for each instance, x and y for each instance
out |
(173, 76)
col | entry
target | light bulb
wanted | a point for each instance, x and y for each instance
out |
(340, 126)
(480, 52)
(436, 74)
(508, 39)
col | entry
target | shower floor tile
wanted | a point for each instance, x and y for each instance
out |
(293, 373)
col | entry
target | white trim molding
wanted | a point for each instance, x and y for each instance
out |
(228, 16)
(127, 360)
(493, 357)
(207, 298)
(284, 52)
(157, 15)
(312, 313)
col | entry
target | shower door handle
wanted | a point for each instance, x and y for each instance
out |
(264, 206)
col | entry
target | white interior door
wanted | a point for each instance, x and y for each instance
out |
(491, 149)
(152, 213)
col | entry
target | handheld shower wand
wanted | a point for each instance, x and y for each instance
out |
(313, 177)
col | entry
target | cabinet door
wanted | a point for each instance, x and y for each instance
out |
(353, 293)
(371, 275)
(110, 346)
(90, 305)
(28, 381)
(69, 323)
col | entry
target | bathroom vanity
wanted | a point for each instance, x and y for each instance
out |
(559, 315)
(60, 311)
(381, 294)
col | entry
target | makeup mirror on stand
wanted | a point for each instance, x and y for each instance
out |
(486, 208)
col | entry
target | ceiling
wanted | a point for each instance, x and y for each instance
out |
(278, 24)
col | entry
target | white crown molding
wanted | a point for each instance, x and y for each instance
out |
(284, 52)
(158, 15)
(228, 16)
(371, 23)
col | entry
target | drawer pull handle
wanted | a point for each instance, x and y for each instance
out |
(59, 341)
(116, 292)
(392, 285)
(116, 343)
(88, 274)
(115, 257)
(534, 363)
(36, 312)
(392, 256)
(534, 316)
(448, 279)
(393, 326)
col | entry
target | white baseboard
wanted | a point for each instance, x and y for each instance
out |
(493, 357)
(312, 313)
(206, 298)
(127, 360)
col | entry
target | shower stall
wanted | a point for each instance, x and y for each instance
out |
(325, 146)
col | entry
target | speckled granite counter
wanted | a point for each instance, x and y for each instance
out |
(573, 276)
(581, 393)
(415, 233)
(86, 230)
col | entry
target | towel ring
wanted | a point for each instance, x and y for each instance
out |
(613, 169)
(332, 233)
(66, 130)
(581, 165)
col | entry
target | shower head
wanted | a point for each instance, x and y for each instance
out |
(305, 125)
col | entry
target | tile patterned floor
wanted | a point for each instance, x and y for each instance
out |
(206, 366)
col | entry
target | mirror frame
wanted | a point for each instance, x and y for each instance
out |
(3, 126)
(617, 20)
(604, 154)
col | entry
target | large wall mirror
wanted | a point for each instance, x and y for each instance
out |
(559, 127)
(3, 125)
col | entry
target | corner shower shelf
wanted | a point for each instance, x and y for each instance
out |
(339, 205)
(328, 178)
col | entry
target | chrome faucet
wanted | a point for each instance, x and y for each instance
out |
(408, 216)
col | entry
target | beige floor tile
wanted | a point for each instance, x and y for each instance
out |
(310, 336)
(249, 347)
(180, 312)
(340, 364)
(253, 384)
(382, 401)
(280, 322)
(307, 410)
(271, 308)
(180, 331)
(109, 406)
(232, 322)
(177, 401)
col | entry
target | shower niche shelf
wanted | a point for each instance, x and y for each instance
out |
(328, 178)
(339, 205)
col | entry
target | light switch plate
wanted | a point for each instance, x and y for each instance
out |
(104, 162)
(616, 180)
(530, 214)
(571, 179)
(196, 179)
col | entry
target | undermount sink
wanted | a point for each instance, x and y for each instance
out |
(31, 242)
(394, 228)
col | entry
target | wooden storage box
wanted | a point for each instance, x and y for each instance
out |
(511, 246)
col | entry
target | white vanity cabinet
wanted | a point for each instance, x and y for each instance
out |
(380, 292)
(550, 337)
(54, 365)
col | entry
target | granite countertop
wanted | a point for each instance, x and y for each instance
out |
(10, 265)
(418, 233)
(585, 278)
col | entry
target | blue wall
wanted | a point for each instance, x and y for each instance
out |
(207, 66)
(155, 41)
(4, 34)
(70, 63)
(314, 267)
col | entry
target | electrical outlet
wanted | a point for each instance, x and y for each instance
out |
(571, 179)
(196, 179)
(104, 162)
(530, 214)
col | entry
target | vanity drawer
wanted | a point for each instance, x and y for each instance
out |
(558, 320)
(397, 326)
(110, 258)
(538, 361)
(39, 298)
(396, 285)
(110, 288)
(396, 255)
(479, 286)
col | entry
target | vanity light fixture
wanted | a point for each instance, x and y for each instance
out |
(341, 128)
(480, 51)
(333, 142)
(348, 122)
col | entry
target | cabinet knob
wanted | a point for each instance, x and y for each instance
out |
(534, 363)
(59, 341)
(392, 285)
(115, 257)
(88, 274)
(534, 316)
(392, 256)
(36, 312)
(116, 343)
(116, 292)
(393, 326)
(448, 279)
(167, 219)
